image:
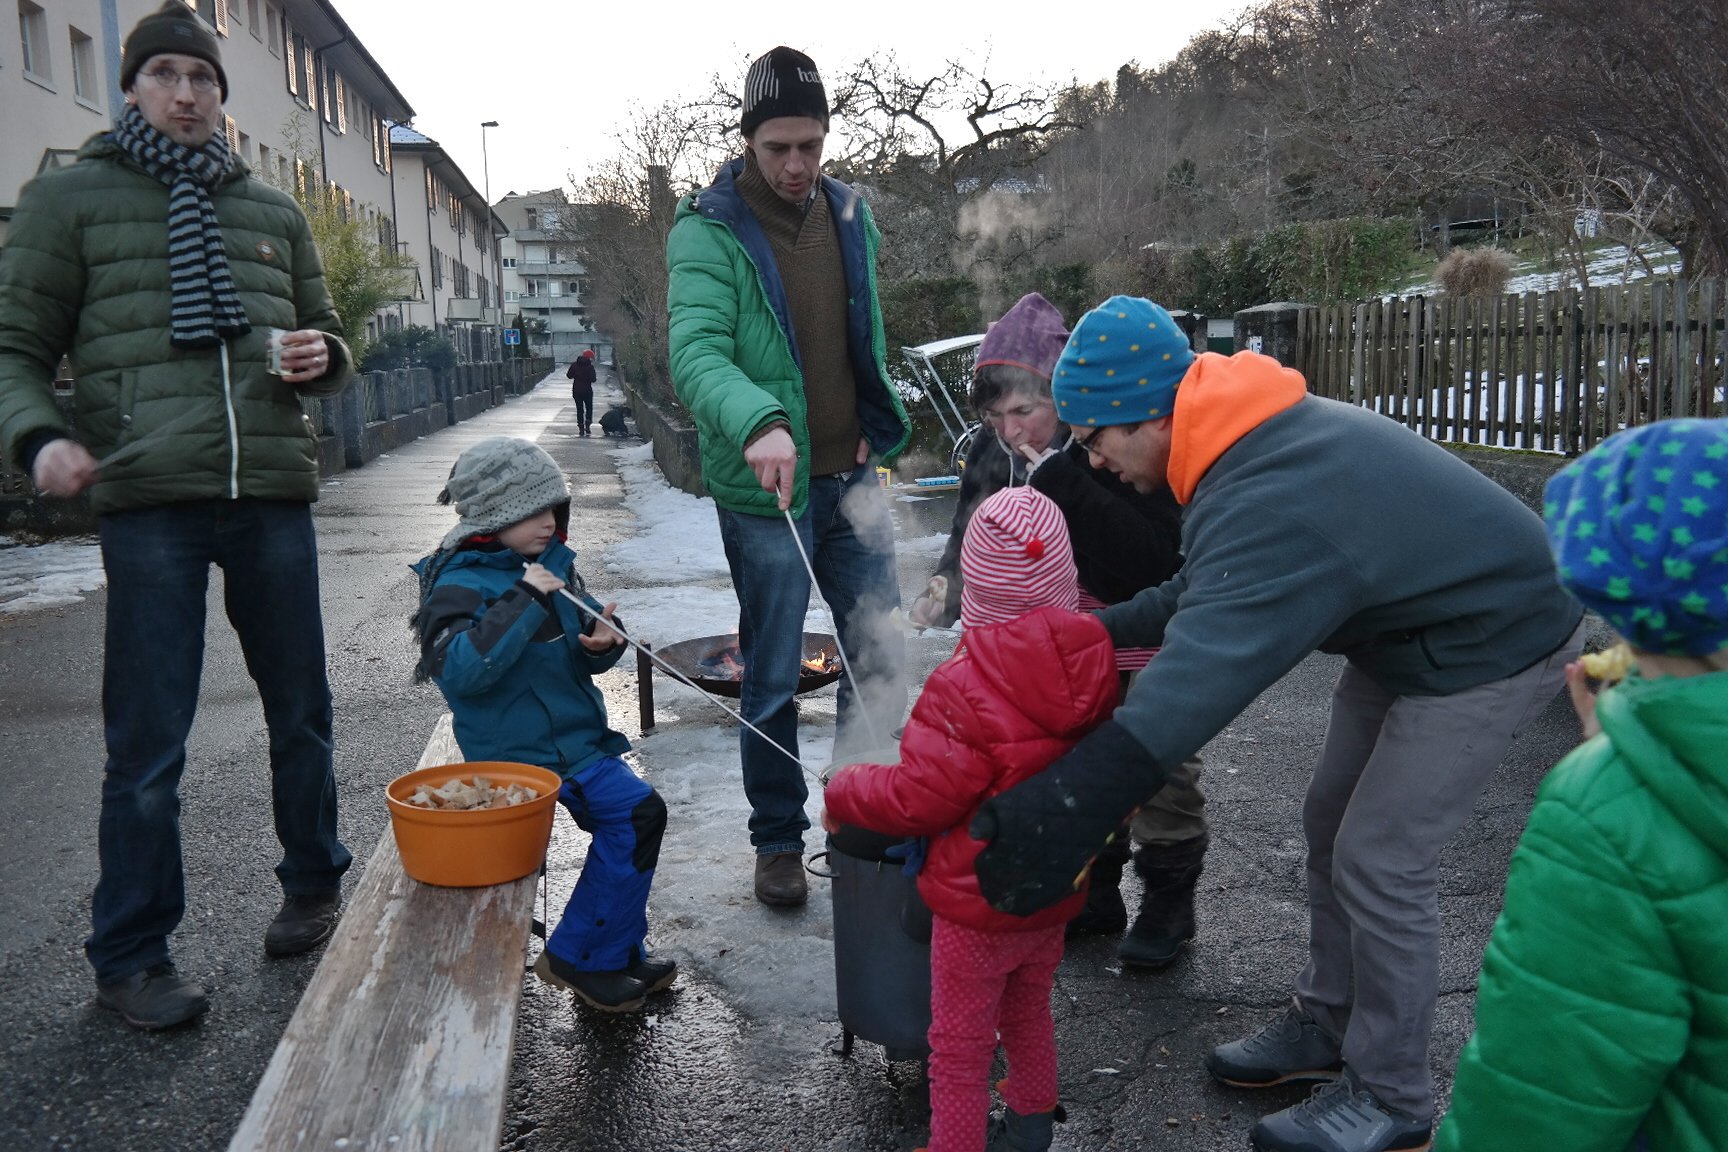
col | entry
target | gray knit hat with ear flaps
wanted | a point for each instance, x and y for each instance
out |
(497, 482)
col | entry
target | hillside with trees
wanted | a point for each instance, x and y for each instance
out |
(1314, 150)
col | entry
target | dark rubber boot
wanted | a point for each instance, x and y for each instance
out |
(1166, 919)
(1011, 1132)
(1104, 913)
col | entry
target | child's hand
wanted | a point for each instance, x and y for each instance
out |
(1583, 699)
(927, 609)
(540, 578)
(605, 637)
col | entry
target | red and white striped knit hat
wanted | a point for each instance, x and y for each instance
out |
(1016, 557)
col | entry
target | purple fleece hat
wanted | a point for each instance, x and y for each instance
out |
(1030, 335)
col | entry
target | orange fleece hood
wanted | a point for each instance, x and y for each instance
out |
(1220, 400)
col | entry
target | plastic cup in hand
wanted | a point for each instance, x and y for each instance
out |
(273, 343)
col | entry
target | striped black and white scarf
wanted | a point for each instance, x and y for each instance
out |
(205, 305)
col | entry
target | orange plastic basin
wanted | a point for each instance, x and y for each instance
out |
(475, 848)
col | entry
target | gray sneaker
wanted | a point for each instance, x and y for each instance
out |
(1291, 1047)
(1341, 1117)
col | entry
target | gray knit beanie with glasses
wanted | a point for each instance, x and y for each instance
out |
(496, 483)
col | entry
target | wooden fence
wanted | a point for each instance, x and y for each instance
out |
(1551, 371)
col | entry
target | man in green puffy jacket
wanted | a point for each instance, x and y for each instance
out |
(777, 350)
(159, 267)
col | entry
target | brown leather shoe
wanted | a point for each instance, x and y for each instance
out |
(780, 879)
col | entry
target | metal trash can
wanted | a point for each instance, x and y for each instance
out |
(881, 947)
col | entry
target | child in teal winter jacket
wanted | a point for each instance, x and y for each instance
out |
(515, 659)
(1602, 1011)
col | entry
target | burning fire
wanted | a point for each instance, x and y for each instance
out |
(728, 664)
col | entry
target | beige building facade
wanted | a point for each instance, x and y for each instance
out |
(307, 104)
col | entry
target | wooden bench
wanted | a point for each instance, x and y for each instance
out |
(403, 1038)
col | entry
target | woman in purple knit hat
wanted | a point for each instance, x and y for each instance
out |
(1123, 541)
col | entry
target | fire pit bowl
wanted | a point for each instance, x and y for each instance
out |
(712, 663)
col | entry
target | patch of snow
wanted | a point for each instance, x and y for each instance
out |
(48, 575)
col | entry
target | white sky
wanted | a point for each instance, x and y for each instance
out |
(560, 78)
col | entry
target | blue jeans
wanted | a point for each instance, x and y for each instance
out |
(607, 914)
(848, 535)
(158, 565)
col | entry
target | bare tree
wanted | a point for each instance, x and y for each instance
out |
(1641, 82)
(619, 223)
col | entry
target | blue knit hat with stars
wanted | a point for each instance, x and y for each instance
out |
(1639, 528)
(1122, 364)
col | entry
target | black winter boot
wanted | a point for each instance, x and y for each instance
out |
(1011, 1132)
(1104, 913)
(1166, 919)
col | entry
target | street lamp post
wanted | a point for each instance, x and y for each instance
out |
(497, 257)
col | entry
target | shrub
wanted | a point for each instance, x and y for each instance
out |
(1474, 272)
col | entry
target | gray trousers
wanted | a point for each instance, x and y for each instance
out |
(1397, 777)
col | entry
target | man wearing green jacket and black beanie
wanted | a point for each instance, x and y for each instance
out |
(777, 350)
(158, 265)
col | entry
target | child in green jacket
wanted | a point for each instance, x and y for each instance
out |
(1602, 1010)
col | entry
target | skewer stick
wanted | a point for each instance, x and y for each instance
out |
(683, 679)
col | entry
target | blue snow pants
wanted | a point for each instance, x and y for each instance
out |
(607, 915)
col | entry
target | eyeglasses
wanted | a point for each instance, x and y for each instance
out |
(202, 82)
(1086, 442)
(1089, 441)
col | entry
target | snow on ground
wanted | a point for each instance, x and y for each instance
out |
(1609, 266)
(48, 575)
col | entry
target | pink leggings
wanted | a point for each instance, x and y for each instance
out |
(983, 984)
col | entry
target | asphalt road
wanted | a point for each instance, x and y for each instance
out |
(701, 1073)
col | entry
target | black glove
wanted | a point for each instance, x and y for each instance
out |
(1044, 832)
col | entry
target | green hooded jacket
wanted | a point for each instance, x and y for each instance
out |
(1602, 1011)
(733, 364)
(85, 274)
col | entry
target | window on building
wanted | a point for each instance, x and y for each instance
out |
(266, 162)
(255, 19)
(554, 288)
(215, 14)
(232, 131)
(33, 38)
(86, 77)
(533, 219)
(509, 261)
(574, 288)
(437, 268)
(273, 28)
(511, 295)
(341, 104)
(431, 193)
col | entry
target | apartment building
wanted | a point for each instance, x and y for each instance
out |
(307, 103)
(543, 279)
(458, 246)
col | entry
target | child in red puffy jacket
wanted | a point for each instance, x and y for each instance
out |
(1029, 677)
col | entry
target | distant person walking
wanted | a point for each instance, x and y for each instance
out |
(582, 376)
(159, 265)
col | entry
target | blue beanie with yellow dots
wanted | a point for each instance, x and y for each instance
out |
(1639, 528)
(1122, 364)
